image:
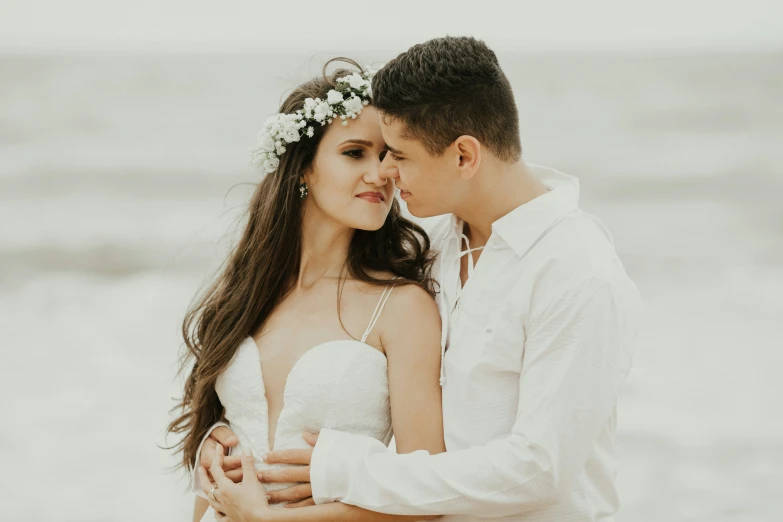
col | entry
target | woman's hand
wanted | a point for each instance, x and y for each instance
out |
(243, 502)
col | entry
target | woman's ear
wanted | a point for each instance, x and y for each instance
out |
(468, 151)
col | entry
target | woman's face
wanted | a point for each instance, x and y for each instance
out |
(344, 182)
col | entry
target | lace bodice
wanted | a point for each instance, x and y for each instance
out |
(340, 385)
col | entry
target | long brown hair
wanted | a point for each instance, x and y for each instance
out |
(263, 266)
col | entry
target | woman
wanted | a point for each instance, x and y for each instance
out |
(322, 316)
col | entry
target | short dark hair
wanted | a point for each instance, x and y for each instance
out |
(447, 87)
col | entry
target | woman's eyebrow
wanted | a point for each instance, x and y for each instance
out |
(358, 142)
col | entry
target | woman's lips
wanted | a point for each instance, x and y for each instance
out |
(404, 194)
(372, 197)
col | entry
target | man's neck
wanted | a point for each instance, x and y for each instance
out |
(497, 189)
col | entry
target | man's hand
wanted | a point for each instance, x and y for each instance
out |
(302, 494)
(232, 466)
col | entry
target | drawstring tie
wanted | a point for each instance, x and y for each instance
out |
(445, 312)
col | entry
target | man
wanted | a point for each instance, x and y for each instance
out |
(538, 315)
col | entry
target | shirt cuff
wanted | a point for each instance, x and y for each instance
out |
(326, 488)
(334, 457)
(194, 480)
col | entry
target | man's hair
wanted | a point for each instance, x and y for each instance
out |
(448, 87)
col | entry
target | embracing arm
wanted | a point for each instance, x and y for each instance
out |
(576, 359)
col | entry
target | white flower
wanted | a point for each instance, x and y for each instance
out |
(310, 132)
(291, 134)
(273, 163)
(322, 111)
(353, 104)
(355, 80)
(334, 97)
(345, 122)
(265, 142)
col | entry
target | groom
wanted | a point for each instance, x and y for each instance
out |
(538, 313)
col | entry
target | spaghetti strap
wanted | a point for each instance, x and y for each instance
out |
(378, 309)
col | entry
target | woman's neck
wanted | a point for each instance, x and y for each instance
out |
(325, 245)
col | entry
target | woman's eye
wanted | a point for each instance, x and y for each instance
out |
(395, 157)
(354, 153)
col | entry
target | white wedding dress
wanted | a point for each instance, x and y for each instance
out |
(340, 385)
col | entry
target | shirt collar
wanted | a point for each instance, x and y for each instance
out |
(521, 227)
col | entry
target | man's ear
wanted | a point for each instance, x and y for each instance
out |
(468, 152)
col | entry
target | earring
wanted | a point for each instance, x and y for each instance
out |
(302, 190)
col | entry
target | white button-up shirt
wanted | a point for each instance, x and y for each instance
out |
(539, 345)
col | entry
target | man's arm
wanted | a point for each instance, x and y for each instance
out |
(576, 359)
(339, 512)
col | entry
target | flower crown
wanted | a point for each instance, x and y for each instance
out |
(346, 100)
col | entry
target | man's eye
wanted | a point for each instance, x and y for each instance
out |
(395, 157)
(354, 153)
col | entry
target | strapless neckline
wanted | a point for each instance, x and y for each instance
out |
(308, 353)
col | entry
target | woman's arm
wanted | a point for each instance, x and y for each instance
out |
(410, 335)
(199, 508)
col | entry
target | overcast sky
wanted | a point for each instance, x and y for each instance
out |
(260, 25)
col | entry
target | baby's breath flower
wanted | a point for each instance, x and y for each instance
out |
(346, 101)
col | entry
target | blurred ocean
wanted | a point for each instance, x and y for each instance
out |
(121, 175)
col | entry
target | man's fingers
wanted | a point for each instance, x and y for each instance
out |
(292, 456)
(208, 452)
(304, 503)
(292, 494)
(292, 474)
(224, 436)
(217, 468)
(232, 462)
(235, 475)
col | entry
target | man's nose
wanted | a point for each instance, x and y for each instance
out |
(388, 169)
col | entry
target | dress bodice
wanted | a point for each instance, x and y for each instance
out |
(341, 385)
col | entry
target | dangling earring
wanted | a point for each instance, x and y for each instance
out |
(302, 190)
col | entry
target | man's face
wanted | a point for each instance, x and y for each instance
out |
(426, 182)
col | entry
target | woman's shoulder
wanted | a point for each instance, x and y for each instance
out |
(410, 309)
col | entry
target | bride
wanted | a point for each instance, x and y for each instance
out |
(322, 316)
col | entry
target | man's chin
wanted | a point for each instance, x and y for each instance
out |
(421, 213)
(417, 210)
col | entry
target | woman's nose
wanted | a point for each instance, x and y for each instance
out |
(375, 175)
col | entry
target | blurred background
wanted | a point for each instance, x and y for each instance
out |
(124, 136)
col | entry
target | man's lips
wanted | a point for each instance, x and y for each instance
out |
(372, 197)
